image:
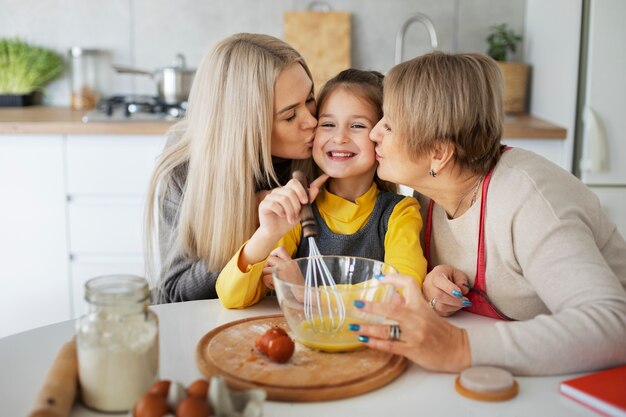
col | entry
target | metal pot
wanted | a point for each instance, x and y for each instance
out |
(173, 83)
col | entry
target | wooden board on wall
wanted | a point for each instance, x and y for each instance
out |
(324, 40)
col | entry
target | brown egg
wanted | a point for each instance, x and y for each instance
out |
(262, 342)
(151, 405)
(280, 349)
(193, 407)
(199, 388)
(160, 388)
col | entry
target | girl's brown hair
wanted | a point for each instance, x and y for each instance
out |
(448, 97)
(369, 86)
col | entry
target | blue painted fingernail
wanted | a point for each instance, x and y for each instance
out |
(354, 327)
(466, 303)
(364, 339)
(457, 293)
(359, 304)
(379, 276)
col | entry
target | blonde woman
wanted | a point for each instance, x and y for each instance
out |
(507, 234)
(251, 117)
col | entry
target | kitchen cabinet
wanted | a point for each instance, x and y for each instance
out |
(72, 210)
(33, 240)
(107, 178)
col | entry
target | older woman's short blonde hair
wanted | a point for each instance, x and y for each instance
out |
(448, 97)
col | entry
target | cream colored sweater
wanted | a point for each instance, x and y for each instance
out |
(555, 262)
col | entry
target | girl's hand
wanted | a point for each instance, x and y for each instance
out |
(280, 210)
(425, 338)
(447, 286)
(277, 256)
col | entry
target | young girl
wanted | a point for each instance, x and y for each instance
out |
(357, 214)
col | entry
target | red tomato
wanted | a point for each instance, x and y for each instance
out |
(280, 349)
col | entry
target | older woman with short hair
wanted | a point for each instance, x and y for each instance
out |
(508, 234)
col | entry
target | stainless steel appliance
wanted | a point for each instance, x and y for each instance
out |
(135, 108)
(173, 83)
(600, 135)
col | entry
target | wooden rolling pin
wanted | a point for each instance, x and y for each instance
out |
(57, 395)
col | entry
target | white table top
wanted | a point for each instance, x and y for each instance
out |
(26, 357)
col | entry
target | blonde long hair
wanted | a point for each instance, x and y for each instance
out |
(226, 142)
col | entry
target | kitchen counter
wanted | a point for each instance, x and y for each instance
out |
(61, 120)
(64, 121)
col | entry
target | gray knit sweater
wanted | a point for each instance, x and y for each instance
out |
(182, 277)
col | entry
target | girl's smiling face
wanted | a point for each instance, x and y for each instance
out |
(342, 147)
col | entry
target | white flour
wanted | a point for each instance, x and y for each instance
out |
(117, 362)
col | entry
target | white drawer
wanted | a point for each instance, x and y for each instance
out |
(112, 226)
(111, 165)
(83, 269)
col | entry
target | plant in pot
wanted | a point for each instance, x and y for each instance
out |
(501, 41)
(24, 70)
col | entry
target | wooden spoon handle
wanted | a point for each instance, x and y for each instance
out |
(57, 395)
(309, 229)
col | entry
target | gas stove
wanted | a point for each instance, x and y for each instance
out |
(134, 108)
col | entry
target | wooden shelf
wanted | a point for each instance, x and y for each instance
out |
(526, 126)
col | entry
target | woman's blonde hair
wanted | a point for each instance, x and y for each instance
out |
(448, 97)
(226, 142)
(368, 85)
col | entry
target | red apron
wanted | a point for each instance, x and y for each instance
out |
(478, 294)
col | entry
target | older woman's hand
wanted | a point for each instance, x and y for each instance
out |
(444, 288)
(425, 338)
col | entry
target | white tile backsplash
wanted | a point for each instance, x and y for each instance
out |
(149, 33)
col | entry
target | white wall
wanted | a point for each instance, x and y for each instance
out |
(148, 33)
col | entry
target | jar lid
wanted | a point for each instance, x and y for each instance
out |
(77, 51)
(115, 289)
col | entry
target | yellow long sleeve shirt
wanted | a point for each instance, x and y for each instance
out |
(239, 289)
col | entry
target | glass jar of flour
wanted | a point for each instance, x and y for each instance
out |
(118, 343)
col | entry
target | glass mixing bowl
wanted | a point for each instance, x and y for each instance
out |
(330, 308)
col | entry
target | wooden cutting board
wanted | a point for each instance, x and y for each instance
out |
(308, 376)
(324, 40)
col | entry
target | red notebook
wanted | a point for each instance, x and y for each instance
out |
(604, 391)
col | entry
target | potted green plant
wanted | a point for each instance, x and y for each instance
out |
(501, 41)
(24, 70)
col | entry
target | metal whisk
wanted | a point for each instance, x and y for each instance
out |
(324, 307)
